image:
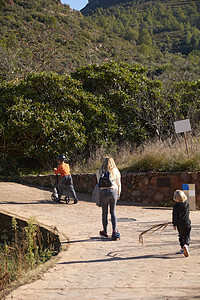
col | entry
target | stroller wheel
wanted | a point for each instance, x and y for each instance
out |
(67, 200)
(53, 198)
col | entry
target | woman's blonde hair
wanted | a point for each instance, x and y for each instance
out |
(179, 196)
(109, 164)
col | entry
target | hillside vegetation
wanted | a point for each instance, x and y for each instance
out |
(74, 84)
(156, 28)
(44, 35)
(47, 36)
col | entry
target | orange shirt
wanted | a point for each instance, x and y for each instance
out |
(63, 169)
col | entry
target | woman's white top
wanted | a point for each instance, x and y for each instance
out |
(116, 182)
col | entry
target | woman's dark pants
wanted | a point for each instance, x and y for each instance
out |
(108, 198)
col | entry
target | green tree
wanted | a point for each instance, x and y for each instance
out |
(47, 114)
(144, 37)
(126, 92)
(131, 34)
(35, 121)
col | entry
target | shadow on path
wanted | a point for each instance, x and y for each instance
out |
(39, 202)
(33, 202)
(91, 239)
(117, 258)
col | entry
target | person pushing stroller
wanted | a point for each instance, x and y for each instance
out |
(66, 182)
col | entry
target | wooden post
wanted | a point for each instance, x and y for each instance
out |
(186, 143)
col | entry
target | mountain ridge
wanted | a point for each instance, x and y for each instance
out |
(95, 4)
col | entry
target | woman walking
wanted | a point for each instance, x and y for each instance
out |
(109, 179)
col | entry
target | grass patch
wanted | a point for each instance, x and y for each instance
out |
(164, 157)
(156, 156)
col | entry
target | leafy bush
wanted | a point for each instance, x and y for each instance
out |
(46, 114)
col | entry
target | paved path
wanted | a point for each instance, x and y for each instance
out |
(103, 269)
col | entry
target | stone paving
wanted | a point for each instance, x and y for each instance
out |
(93, 268)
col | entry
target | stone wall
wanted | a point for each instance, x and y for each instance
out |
(149, 188)
(157, 188)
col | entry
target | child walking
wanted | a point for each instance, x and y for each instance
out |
(181, 220)
(66, 179)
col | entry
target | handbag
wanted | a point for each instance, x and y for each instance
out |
(96, 195)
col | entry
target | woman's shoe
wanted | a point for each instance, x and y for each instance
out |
(115, 235)
(103, 234)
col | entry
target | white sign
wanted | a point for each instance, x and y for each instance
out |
(189, 190)
(182, 126)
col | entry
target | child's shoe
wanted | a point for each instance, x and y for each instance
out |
(103, 234)
(186, 250)
(115, 235)
(181, 251)
(75, 201)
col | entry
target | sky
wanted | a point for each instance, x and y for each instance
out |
(75, 4)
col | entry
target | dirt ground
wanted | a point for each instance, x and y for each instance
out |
(93, 268)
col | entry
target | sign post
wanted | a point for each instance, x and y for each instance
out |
(183, 126)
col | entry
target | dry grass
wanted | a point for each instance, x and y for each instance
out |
(152, 156)
(21, 260)
(30, 276)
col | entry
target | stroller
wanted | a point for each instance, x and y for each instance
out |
(54, 196)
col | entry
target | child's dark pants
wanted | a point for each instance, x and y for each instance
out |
(66, 183)
(184, 234)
